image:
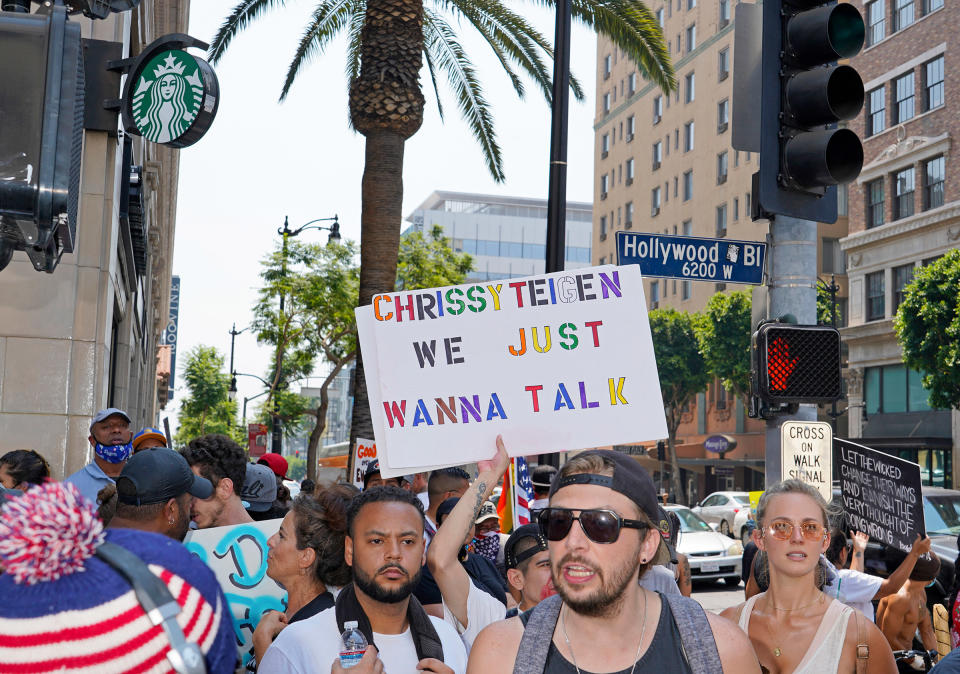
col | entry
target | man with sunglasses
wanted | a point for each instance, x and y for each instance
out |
(601, 536)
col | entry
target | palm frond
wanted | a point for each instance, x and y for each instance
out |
(431, 68)
(450, 56)
(352, 69)
(239, 18)
(329, 18)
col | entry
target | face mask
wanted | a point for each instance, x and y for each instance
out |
(487, 545)
(114, 453)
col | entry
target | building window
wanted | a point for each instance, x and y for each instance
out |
(902, 14)
(688, 136)
(604, 185)
(876, 29)
(675, 187)
(723, 64)
(657, 109)
(655, 201)
(723, 115)
(834, 259)
(688, 185)
(722, 220)
(632, 83)
(904, 88)
(736, 208)
(603, 226)
(903, 196)
(901, 277)
(875, 296)
(654, 294)
(691, 37)
(876, 111)
(607, 65)
(843, 198)
(689, 93)
(933, 82)
(691, 4)
(630, 172)
(605, 143)
(657, 154)
(932, 6)
(659, 14)
(725, 13)
(722, 168)
(606, 103)
(933, 183)
(894, 388)
(631, 127)
(875, 203)
(628, 214)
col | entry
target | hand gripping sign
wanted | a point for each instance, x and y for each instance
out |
(554, 362)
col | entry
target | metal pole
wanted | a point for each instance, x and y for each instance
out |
(557, 194)
(233, 336)
(793, 290)
(277, 431)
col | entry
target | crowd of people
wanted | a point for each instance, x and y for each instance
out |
(94, 576)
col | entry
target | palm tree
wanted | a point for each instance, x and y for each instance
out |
(388, 42)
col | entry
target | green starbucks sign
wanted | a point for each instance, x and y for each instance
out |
(170, 96)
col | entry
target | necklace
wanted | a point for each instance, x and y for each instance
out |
(643, 631)
(776, 649)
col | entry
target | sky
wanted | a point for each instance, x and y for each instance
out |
(263, 160)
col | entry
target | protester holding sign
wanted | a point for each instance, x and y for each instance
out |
(794, 627)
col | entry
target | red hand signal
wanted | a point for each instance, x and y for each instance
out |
(779, 364)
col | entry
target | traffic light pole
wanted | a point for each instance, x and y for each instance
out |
(793, 290)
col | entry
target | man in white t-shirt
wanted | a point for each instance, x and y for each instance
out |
(385, 548)
(858, 589)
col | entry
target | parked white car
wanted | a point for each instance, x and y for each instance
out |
(711, 555)
(728, 510)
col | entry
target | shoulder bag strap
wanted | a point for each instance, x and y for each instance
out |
(863, 649)
(537, 636)
(159, 605)
(696, 637)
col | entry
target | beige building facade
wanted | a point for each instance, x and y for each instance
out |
(664, 164)
(86, 337)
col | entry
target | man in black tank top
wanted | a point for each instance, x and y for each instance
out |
(601, 536)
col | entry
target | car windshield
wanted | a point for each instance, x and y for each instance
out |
(742, 499)
(690, 521)
(942, 514)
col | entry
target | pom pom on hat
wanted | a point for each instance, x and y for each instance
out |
(47, 533)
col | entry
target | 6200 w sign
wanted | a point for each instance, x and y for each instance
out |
(693, 258)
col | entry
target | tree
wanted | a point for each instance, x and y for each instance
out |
(825, 307)
(388, 42)
(429, 261)
(207, 407)
(928, 328)
(682, 371)
(723, 334)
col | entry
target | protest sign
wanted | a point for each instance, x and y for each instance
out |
(237, 555)
(560, 361)
(881, 494)
(364, 452)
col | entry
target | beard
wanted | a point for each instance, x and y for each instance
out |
(606, 600)
(377, 592)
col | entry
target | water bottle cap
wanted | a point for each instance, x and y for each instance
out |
(351, 624)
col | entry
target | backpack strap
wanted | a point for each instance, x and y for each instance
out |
(699, 649)
(863, 648)
(537, 636)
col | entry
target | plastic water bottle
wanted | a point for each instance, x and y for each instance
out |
(354, 645)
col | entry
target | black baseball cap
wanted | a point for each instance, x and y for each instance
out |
(157, 475)
(542, 476)
(530, 531)
(630, 479)
(446, 508)
(669, 524)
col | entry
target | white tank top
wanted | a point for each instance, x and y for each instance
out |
(825, 650)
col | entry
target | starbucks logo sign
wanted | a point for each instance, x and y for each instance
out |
(171, 96)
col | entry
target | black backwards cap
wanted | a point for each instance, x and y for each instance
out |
(630, 479)
(510, 558)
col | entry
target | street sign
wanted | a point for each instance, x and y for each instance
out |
(693, 258)
(807, 454)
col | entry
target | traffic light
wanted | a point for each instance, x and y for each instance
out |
(661, 450)
(796, 363)
(803, 155)
(42, 104)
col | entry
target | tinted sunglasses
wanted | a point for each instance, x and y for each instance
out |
(782, 530)
(600, 526)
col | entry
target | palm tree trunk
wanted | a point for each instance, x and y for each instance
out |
(386, 106)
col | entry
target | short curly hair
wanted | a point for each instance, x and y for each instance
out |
(321, 524)
(216, 457)
(385, 494)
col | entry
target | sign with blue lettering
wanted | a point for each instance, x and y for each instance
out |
(693, 258)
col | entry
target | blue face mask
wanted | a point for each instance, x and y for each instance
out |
(931, 583)
(114, 453)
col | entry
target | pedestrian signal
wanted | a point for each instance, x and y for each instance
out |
(796, 363)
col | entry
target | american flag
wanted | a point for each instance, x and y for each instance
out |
(524, 491)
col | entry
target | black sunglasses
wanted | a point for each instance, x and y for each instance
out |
(600, 526)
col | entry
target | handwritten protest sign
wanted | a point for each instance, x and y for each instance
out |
(364, 452)
(237, 555)
(881, 494)
(554, 362)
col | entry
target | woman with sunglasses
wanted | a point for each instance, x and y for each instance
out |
(795, 628)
